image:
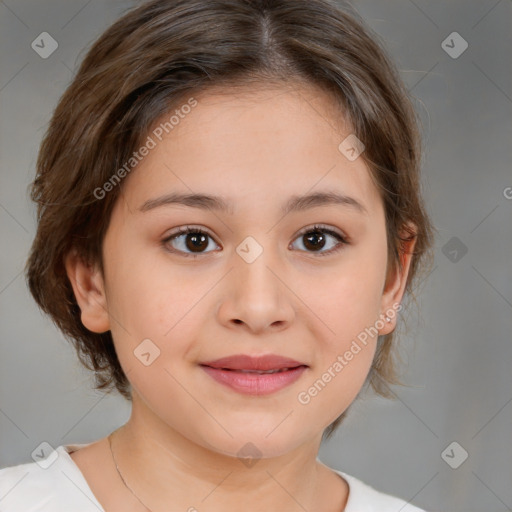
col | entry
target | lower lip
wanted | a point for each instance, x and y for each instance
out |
(255, 383)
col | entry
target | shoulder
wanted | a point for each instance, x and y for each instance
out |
(364, 498)
(52, 483)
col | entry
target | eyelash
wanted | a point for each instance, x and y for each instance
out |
(184, 230)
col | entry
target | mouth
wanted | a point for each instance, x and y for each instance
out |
(260, 372)
(255, 375)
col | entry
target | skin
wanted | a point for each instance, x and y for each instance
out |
(256, 147)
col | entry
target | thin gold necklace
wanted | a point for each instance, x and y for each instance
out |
(119, 472)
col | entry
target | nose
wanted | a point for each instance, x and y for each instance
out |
(256, 297)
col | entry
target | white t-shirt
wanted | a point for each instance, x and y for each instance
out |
(61, 486)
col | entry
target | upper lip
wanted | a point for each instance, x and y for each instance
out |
(246, 362)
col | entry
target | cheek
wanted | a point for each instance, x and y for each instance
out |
(348, 305)
(347, 300)
(337, 379)
(150, 296)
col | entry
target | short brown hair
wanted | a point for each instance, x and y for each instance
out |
(165, 50)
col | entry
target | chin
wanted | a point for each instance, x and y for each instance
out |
(259, 442)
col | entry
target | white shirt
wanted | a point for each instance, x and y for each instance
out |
(61, 487)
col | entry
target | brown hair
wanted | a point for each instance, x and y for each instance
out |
(163, 51)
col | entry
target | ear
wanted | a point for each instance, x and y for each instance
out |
(395, 285)
(89, 288)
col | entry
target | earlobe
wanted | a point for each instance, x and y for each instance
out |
(89, 289)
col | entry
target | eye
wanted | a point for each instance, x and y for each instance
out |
(316, 238)
(188, 238)
(196, 240)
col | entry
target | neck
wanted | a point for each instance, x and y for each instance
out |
(168, 471)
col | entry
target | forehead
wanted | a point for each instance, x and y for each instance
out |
(256, 145)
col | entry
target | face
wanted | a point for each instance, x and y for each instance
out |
(271, 274)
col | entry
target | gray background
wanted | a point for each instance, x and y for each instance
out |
(459, 347)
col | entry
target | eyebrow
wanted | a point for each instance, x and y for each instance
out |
(218, 203)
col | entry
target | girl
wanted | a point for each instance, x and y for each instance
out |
(229, 220)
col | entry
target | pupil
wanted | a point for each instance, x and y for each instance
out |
(198, 241)
(312, 239)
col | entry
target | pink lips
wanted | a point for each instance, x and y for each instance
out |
(255, 375)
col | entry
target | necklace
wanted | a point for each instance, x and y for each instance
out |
(119, 472)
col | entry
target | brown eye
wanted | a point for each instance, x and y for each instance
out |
(192, 242)
(196, 242)
(317, 238)
(314, 240)
(189, 241)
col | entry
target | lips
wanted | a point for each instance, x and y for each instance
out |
(258, 364)
(261, 375)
